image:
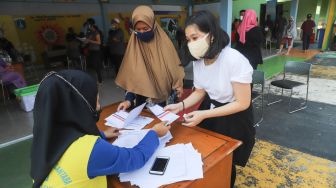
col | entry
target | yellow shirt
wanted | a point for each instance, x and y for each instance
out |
(71, 170)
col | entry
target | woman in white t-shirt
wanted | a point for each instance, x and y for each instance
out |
(222, 76)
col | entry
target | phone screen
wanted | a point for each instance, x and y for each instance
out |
(159, 165)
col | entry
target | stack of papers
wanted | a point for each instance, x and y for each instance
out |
(185, 164)
(129, 120)
(163, 115)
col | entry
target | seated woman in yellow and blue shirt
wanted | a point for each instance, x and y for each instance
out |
(68, 150)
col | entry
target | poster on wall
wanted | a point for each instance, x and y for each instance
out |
(50, 34)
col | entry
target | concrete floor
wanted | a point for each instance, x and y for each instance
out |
(311, 130)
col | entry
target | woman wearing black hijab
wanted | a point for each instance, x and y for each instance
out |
(68, 150)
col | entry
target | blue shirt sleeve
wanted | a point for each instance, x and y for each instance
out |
(102, 135)
(129, 96)
(106, 159)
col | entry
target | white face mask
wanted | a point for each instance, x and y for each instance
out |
(199, 47)
(241, 18)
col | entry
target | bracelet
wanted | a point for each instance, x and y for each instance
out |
(182, 106)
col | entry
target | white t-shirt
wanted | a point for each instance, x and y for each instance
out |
(216, 79)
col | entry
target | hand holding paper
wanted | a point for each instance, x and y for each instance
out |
(163, 115)
(131, 120)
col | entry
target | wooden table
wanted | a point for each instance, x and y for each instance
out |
(215, 148)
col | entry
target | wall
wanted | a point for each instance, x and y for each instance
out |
(59, 16)
(236, 7)
(246, 4)
(305, 7)
(286, 8)
(22, 9)
(7, 23)
(323, 12)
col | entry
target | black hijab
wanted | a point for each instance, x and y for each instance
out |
(61, 116)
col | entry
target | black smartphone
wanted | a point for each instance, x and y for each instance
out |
(159, 166)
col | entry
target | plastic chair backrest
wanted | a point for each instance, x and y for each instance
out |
(299, 68)
(258, 77)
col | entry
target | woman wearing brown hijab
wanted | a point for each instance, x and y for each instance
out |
(151, 67)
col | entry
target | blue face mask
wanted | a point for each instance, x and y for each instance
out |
(145, 36)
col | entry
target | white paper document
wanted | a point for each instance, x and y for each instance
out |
(129, 120)
(185, 163)
(163, 115)
(83, 39)
(130, 138)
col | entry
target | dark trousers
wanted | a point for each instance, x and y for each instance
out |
(305, 41)
(116, 61)
(95, 61)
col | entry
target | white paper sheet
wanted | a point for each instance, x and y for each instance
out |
(134, 113)
(176, 167)
(163, 115)
(130, 138)
(131, 120)
(185, 164)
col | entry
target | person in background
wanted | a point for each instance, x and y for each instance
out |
(94, 42)
(280, 26)
(9, 48)
(84, 29)
(234, 31)
(180, 37)
(116, 43)
(151, 67)
(241, 15)
(250, 39)
(68, 150)
(222, 76)
(307, 28)
(269, 24)
(290, 35)
(73, 48)
(71, 35)
(10, 78)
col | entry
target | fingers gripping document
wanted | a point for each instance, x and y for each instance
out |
(129, 120)
(133, 120)
(163, 115)
(130, 138)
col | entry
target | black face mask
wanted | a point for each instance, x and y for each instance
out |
(145, 36)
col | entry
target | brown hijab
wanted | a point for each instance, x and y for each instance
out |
(151, 69)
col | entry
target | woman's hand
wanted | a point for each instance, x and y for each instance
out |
(161, 129)
(194, 118)
(175, 108)
(111, 132)
(124, 105)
